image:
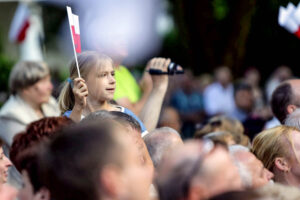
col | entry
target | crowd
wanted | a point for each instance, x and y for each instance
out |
(165, 138)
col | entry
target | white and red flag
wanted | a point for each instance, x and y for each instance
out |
(75, 30)
(20, 24)
(75, 34)
(289, 18)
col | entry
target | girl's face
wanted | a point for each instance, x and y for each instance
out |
(101, 83)
(4, 166)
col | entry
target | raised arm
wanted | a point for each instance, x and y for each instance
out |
(151, 110)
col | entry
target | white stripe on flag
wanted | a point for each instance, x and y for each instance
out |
(70, 16)
(76, 24)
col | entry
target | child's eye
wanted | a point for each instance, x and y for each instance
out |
(113, 73)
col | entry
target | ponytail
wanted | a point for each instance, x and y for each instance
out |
(66, 99)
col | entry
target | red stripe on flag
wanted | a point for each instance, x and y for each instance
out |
(76, 38)
(298, 33)
(23, 30)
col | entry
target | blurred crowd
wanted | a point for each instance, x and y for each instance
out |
(170, 137)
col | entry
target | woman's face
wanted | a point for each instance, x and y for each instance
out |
(101, 83)
(40, 92)
(4, 166)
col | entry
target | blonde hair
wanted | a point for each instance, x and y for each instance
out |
(25, 74)
(223, 123)
(271, 143)
(86, 61)
(220, 136)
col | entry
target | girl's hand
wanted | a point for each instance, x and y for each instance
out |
(80, 92)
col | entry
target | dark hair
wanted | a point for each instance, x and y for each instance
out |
(120, 117)
(281, 98)
(72, 162)
(24, 149)
(28, 161)
(242, 86)
(127, 119)
(35, 133)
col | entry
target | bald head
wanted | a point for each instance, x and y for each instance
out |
(192, 169)
(160, 141)
(286, 99)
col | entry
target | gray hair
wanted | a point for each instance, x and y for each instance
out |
(242, 168)
(237, 148)
(293, 119)
(25, 74)
(158, 142)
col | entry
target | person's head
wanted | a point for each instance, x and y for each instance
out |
(93, 161)
(197, 170)
(170, 117)
(252, 171)
(161, 141)
(98, 72)
(243, 97)
(279, 150)
(131, 125)
(220, 136)
(4, 165)
(286, 99)
(24, 150)
(223, 75)
(31, 80)
(283, 73)
(223, 123)
(252, 76)
(35, 133)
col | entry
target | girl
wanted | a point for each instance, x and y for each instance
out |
(95, 90)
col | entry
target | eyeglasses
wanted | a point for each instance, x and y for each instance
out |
(208, 146)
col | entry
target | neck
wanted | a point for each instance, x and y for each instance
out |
(36, 107)
(287, 179)
(93, 106)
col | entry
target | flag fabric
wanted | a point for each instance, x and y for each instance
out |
(75, 35)
(75, 30)
(289, 18)
(20, 24)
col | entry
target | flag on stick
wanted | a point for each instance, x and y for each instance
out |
(20, 24)
(289, 18)
(75, 34)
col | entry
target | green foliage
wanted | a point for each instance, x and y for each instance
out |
(5, 66)
(220, 8)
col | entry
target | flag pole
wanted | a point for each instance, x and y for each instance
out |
(75, 54)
